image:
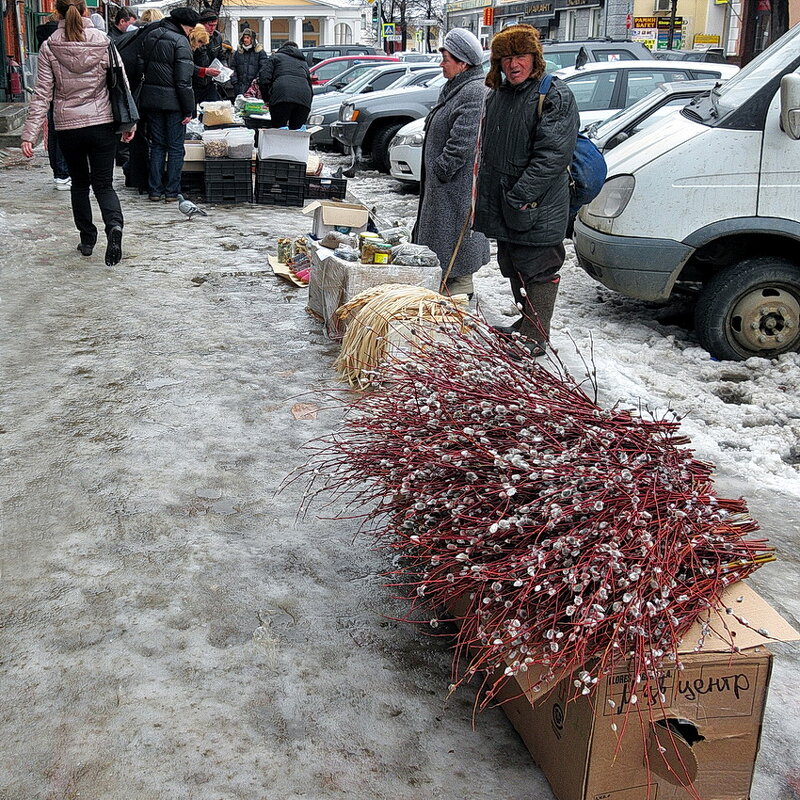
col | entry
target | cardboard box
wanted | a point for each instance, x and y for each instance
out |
(335, 282)
(713, 708)
(329, 215)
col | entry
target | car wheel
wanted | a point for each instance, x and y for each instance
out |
(751, 309)
(380, 147)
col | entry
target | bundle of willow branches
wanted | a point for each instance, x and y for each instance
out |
(576, 538)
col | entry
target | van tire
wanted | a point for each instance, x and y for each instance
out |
(751, 309)
(380, 147)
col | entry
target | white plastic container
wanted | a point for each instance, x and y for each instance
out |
(240, 143)
(215, 144)
(284, 144)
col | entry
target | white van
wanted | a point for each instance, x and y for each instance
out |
(710, 199)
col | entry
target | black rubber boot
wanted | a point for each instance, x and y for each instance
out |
(535, 327)
(114, 246)
(85, 248)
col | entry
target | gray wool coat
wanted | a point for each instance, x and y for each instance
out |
(451, 135)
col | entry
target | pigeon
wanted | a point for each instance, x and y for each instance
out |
(188, 208)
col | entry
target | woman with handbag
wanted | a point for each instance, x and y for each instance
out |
(73, 74)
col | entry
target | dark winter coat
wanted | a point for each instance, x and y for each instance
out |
(524, 160)
(167, 65)
(448, 155)
(246, 66)
(285, 78)
(215, 49)
(45, 31)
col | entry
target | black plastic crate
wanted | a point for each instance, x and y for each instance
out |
(193, 183)
(274, 170)
(326, 188)
(281, 193)
(228, 191)
(228, 169)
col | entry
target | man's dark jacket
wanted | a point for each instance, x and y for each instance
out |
(166, 62)
(285, 78)
(524, 160)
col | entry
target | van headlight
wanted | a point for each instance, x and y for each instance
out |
(348, 113)
(316, 119)
(613, 197)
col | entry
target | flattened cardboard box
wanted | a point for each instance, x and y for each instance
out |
(709, 724)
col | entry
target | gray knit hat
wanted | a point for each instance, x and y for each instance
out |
(463, 45)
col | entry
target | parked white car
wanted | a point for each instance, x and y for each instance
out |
(405, 152)
(664, 100)
(601, 89)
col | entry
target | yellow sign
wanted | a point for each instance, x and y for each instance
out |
(706, 38)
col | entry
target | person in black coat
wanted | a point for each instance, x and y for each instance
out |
(285, 84)
(166, 65)
(247, 61)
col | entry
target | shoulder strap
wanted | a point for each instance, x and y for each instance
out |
(544, 88)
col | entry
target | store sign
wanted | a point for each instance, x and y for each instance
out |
(704, 40)
(653, 32)
(466, 5)
(540, 9)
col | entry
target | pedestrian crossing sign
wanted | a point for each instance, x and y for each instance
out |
(388, 28)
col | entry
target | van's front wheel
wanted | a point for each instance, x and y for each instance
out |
(751, 309)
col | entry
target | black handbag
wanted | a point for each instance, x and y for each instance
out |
(123, 106)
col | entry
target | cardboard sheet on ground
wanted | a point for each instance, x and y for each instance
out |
(284, 272)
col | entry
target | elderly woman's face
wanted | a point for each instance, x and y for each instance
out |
(451, 66)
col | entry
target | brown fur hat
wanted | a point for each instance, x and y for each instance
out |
(515, 40)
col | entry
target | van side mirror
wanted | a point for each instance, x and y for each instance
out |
(790, 105)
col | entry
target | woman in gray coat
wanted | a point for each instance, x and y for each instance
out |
(451, 135)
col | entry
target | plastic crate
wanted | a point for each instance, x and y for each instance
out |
(228, 169)
(272, 170)
(228, 191)
(193, 183)
(280, 182)
(326, 188)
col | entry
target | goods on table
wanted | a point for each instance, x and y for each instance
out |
(217, 113)
(284, 250)
(375, 251)
(334, 239)
(371, 313)
(215, 144)
(395, 235)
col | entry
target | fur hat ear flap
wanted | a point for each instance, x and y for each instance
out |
(494, 77)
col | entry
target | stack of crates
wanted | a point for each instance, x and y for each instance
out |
(280, 182)
(229, 180)
(325, 188)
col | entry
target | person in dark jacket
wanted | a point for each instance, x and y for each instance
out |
(448, 155)
(123, 20)
(205, 88)
(166, 64)
(247, 61)
(58, 164)
(285, 84)
(523, 184)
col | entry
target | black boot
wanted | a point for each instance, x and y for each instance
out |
(535, 327)
(114, 246)
(86, 246)
(519, 300)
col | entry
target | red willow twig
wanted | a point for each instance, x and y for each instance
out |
(577, 538)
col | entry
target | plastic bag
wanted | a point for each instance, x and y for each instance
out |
(334, 239)
(395, 235)
(224, 72)
(219, 112)
(194, 129)
(347, 253)
(414, 255)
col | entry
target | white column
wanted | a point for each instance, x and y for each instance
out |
(328, 36)
(297, 34)
(266, 33)
(234, 32)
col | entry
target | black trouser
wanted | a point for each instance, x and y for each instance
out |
(292, 114)
(89, 153)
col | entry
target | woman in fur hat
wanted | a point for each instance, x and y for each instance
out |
(523, 184)
(247, 61)
(448, 154)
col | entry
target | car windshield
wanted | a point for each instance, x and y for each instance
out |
(776, 59)
(597, 130)
(359, 83)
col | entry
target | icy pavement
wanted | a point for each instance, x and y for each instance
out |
(169, 629)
